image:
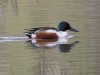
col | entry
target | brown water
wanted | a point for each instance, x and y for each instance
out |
(80, 56)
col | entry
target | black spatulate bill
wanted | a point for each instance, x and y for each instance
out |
(72, 29)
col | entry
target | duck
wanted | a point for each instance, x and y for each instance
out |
(50, 32)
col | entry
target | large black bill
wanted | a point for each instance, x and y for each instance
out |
(72, 29)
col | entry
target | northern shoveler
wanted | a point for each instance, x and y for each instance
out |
(50, 32)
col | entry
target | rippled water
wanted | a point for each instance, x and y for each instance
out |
(74, 56)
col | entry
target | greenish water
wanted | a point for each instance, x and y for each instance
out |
(20, 58)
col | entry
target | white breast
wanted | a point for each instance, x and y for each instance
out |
(62, 34)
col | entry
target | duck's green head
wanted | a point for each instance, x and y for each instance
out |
(63, 26)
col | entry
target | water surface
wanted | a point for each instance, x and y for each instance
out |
(78, 56)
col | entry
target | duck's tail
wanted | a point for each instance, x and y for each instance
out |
(28, 34)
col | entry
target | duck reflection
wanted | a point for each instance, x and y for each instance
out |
(44, 43)
(67, 47)
(62, 44)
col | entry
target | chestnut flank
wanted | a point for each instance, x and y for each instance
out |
(46, 35)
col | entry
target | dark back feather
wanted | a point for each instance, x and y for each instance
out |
(33, 30)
